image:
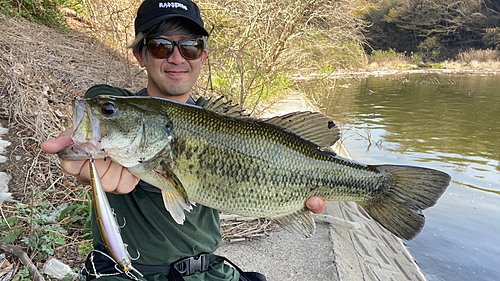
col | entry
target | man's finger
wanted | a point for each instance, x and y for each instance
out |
(316, 204)
(54, 146)
(127, 182)
(75, 167)
(111, 177)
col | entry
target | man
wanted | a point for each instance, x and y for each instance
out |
(171, 44)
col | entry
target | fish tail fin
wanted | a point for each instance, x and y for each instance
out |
(409, 190)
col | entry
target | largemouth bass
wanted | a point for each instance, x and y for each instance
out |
(217, 157)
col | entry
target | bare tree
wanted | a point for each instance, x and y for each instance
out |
(265, 39)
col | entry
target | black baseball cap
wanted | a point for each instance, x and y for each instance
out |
(153, 12)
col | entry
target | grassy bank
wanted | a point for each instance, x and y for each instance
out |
(465, 60)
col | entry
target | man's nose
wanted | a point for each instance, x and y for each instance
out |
(176, 57)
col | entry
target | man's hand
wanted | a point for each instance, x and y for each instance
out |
(316, 204)
(114, 177)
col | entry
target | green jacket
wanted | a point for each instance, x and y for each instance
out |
(149, 231)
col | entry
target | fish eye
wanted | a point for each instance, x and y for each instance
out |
(108, 108)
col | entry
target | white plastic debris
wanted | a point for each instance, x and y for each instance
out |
(57, 269)
(5, 195)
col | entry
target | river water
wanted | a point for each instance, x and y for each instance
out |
(445, 122)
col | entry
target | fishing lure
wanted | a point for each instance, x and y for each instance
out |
(108, 226)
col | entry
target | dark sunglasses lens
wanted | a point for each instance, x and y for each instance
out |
(191, 49)
(160, 48)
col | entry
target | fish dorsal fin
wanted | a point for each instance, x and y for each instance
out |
(300, 223)
(312, 126)
(225, 108)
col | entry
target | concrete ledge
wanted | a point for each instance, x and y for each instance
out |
(372, 253)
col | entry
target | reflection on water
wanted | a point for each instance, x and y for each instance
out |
(444, 122)
(478, 188)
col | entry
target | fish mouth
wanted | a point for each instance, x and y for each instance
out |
(86, 125)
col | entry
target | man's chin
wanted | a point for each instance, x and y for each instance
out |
(177, 95)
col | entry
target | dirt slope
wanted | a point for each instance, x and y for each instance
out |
(41, 70)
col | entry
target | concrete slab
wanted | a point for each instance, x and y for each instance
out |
(285, 256)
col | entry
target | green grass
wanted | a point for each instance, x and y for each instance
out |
(44, 12)
(43, 226)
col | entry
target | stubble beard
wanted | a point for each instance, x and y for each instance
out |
(172, 89)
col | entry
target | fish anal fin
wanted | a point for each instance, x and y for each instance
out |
(300, 223)
(312, 126)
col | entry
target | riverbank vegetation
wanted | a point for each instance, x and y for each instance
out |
(257, 46)
(52, 50)
(437, 30)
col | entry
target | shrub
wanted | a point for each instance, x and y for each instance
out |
(432, 49)
(39, 11)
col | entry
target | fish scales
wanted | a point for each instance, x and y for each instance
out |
(265, 174)
(261, 168)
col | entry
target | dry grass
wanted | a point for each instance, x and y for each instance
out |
(41, 72)
(477, 59)
(481, 56)
(236, 228)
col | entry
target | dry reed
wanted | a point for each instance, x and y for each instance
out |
(41, 72)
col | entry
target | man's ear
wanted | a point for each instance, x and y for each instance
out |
(203, 58)
(140, 59)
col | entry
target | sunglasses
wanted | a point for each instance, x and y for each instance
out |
(162, 48)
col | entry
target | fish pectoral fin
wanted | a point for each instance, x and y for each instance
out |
(175, 201)
(175, 205)
(300, 222)
(176, 183)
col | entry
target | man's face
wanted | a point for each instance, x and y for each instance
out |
(174, 76)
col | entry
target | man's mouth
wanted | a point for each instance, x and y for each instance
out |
(176, 73)
(85, 124)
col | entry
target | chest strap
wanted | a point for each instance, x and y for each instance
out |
(99, 264)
